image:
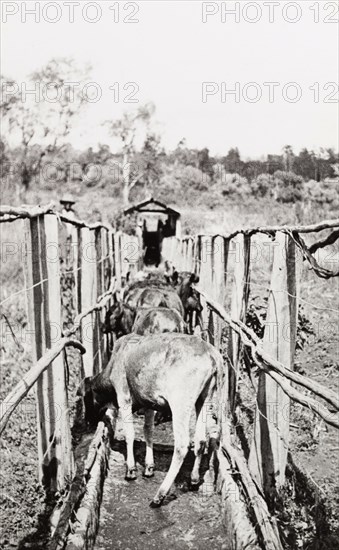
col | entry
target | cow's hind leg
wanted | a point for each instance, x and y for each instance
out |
(199, 440)
(148, 433)
(181, 419)
(205, 424)
(127, 420)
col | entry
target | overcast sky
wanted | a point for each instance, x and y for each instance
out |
(170, 52)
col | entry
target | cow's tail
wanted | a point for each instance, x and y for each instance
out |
(214, 401)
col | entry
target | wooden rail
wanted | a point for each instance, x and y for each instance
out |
(22, 388)
(99, 265)
(274, 354)
(88, 254)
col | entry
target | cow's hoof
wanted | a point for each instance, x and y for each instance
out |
(149, 471)
(131, 474)
(195, 481)
(195, 485)
(156, 502)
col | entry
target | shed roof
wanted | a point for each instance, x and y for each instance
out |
(152, 205)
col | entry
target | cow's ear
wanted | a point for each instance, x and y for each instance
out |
(175, 277)
(84, 386)
(194, 278)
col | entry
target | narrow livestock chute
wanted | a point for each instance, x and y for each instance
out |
(169, 444)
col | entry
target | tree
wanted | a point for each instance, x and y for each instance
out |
(288, 187)
(150, 159)
(46, 116)
(288, 158)
(305, 164)
(126, 129)
(232, 161)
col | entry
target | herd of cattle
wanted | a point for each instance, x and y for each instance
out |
(158, 365)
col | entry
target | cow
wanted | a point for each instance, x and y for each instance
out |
(189, 296)
(133, 291)
(155, 276)
(123, 319)
(157, 320)
(119, 319)
(193, 307)
(161, 372)
(160, 297)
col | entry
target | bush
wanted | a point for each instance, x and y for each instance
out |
(288, 187)
(231, 185)
(262, 186)
(322, 192)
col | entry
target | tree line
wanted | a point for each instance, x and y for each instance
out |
(43, 156)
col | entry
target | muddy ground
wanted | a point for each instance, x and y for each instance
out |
(185, 521)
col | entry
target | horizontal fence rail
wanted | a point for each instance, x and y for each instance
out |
(224, 266)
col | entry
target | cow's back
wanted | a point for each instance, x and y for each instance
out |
(158, 320)
(167, 365)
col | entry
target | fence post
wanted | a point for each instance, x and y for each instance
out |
(218, 282)
(88, 298)
(117, 257)
(239, 301)
(41, 262)
(205, 282)
(197, 255)
(268, 454)
(190, 254)
(99, 343)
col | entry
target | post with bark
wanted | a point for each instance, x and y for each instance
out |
(239, 302)
(117, 258)
(99, 339)
(190, 244)
(206, 284)
(41, 263)
(268, 454)
(218, 283)
(88, 298)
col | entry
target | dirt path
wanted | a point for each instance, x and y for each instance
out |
(187, 519)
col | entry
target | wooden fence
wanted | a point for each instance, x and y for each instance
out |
(98, 261)
(95, 261)
(224, 264)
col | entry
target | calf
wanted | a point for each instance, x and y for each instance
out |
(159, 373)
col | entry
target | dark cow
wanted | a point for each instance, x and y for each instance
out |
(160, 297)
(157, 320)
(119, 319)
(161, 372)
(190, 297)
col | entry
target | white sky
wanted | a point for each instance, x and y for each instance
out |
(170, 52)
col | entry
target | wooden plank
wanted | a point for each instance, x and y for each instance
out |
(84, 529)
(197, 254)
(268, 455)
(117, 258)
(218, 283)
(61, 454)
(251, 496)
(17, 394)
(190, 244)
(88, 297)
(206, 281)
(44, 312)
(239, 302)
(98, 344)
(33, 274)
